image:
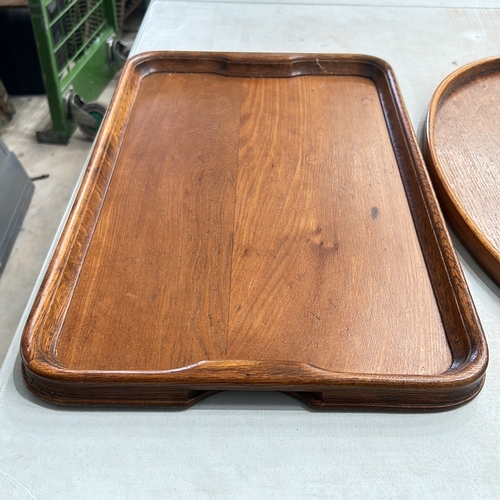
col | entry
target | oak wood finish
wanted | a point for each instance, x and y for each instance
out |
(257, 222)
(462, 149)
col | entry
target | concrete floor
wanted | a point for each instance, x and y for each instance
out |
(63, 164)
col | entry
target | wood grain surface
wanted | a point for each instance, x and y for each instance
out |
(255, 222)
(463, 151)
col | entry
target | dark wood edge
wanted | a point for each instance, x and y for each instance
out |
(41, 367)
(112, 395)
(257, 65)
(342, 394)
(436, 399)
(468, 232)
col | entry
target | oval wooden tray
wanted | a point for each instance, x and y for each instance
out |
(258, 222)
(462, 150)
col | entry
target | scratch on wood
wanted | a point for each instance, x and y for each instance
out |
(319, 64)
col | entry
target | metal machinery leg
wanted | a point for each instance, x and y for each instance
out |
(89, 116)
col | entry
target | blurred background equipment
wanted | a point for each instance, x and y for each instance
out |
(74, 39)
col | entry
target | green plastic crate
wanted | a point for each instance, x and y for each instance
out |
(73, 39)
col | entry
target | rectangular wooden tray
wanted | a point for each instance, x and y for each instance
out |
(258, 222)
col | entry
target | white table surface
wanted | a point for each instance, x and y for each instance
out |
(262, 444)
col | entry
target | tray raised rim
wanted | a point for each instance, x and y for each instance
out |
(46, 377)
(468, 231)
